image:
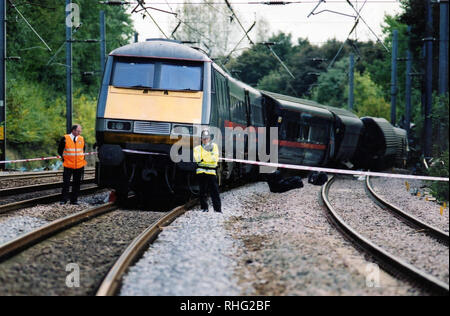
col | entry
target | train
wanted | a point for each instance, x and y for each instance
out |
(150, 89)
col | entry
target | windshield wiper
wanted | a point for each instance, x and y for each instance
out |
(187, 90)
(141, 87)
(133, 87)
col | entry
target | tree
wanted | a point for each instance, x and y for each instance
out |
(208, 26)
(48, 19)
(36, 85)
(369, 99)
(253, 64)
(331, 86)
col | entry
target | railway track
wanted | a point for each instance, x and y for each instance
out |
(93, 239)
(49, 198)
(432, 231)
(27, 240)
(37, 187)
(111, 284)
(35, 175)
(390, 262)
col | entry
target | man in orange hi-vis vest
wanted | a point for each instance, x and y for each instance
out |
(71, 149)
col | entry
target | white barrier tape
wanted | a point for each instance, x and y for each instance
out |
(268, 164)
(40, 159)
(336, 171)
(142, 152)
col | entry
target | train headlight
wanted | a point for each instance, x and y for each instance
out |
(183, 129)
(119, 126)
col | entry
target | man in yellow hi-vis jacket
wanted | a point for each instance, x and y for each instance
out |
(206, 156)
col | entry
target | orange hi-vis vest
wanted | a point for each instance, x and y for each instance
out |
(73, 153)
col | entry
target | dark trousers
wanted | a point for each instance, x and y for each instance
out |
(77, 175)
(208, 183)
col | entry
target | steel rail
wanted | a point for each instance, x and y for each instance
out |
(33, 175)
(6, 208)
(27, 240)
(395, 264)
(113, 280)
(37, 187)
(433, 231)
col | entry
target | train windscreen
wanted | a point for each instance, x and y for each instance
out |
(133, 74)
(181, 77)
(148, 74)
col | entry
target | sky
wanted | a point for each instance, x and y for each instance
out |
(292, 18)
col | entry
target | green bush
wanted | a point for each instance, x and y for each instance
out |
(439, 168)
(36, 121)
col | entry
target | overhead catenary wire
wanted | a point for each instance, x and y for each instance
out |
(29, 25)
(237, 45)
(247, 2)
(141, 4)
(357, 17)
(343, 44)
(216, 9)
(370, 29)
(252, 43)
(348, 36)
(62, 45)
(239, 22)
(281, 62)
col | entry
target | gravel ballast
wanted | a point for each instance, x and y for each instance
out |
(25, 220)
(428, 211)
(388, 232)
(16, 226)
(93, 247)
(263, 244)
(36, 194)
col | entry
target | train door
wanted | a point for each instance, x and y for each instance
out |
(248, 123)
(248, 108)
(221, 91)
(293, 134)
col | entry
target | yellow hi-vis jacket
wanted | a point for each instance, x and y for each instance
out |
(207, 161)
(73, 153)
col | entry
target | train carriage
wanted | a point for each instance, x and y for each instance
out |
(304, 130)
(154, 92)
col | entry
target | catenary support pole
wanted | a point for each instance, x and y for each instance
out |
(408, 88)
(2, 82)
(68, 67)
(443, 48)
(394, 77)
(102, 41)
(351, 82)
(428, 128)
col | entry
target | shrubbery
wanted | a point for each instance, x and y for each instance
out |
(440, 168)
(36, 120)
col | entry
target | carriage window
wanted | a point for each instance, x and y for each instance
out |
(304, 132)
(181, 77)
(319, 133)
(129, 74)
(292, 131)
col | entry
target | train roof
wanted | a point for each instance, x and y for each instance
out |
(161, 48)
(338, 111)
(298, 105)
